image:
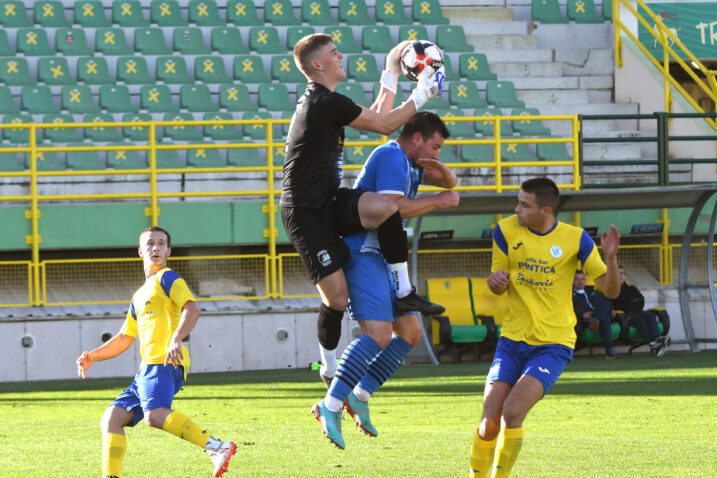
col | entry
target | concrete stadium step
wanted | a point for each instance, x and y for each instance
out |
(552, 97)
(477, 14)
(536, 55)
(587, 36)
(612, 151)
(492, 28)
(509, 70)
(482, 41)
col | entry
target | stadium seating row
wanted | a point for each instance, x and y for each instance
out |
(578, 11)
(168, 13)
(223, 40)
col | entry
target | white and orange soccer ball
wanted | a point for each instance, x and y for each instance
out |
(418, 55)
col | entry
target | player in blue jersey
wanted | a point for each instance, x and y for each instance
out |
(162, 313)
(534, 259)
(394, 170)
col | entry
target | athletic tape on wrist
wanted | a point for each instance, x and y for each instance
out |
(389, 80)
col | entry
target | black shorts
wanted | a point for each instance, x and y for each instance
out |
(315, 233)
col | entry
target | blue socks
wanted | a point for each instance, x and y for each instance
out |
(354, 363)
(385, 364)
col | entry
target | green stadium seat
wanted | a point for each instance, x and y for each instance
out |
(38, 99)
(529, 127)
(15, 72)
(344, 39)
(61, 135)
(227, 41)
(7, 104)
(274, 97)
(546, 11)
(126, 159)
(100, 133)
(157, 99)
(448, 154)
(285, 127)
(33, 42)
(354, 12)
(71, 42)
(172, 70)
(111, 41)
(46, 161)
(552, 152)
(464, 94)
(235, 98)
(391, 12)
(5, 48)
(279, 12)
(317, 12)
(14, 15)
(242, 13)
(294, 34)
(437, 103)
(90, 14)
(210, 69)
(501, 94)
(362, 67)
(205, 13)
(54, 71)
(583, 11)
(244, 157)
(84, 160)
(94, 71)
(180, 132)
(169, 158)
(10, 161)
(265, 40)
(133, 70)
(485, 127)
(376, 38)
(136, 133)
(412, 32)
(189, 41)
(150, 41)
(452, 38)
(116, 99)
(50, 14)
(285, 70)
(428, 12)
(249, 69)
(166, 13)
(221, 131)
(196, 98)
(397, 100)
(204, 158)
(474, 67)
(128, 13)
(451, 75)
(17, 135)
(458, 129)
(255, 131)
(477, 153)
(354, 91)
(606, 9)
(516, 152)
(78, 99)
(357, 154)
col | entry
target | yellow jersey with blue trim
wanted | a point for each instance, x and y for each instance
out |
(541, 268)
(154, 315)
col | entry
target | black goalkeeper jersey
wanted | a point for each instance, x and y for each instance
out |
(315, 147)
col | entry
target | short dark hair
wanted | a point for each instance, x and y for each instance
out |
(545, 190)
(427, 124)
(579, 272)
(157, 229)
(306, 47)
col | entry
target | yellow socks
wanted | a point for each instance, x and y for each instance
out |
(181, 425)
(509, 444)
(481, 456)
(113, 449)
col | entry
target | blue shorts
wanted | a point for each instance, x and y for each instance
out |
(154, 386)
(372, 294)
(514, 359)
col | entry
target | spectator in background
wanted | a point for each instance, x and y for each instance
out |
(632, 303)
(595, 311)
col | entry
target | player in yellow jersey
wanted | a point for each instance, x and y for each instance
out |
(534, 259)
(162, 313)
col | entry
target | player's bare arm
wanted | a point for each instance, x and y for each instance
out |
(609, 283)
(383, 123)
(112, 348)
(190, 315)
(389, 79)
(435, 173)
(498, 282)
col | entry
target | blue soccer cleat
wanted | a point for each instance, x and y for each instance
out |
(330, 423)
(359, 412)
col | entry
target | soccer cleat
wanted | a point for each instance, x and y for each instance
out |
(330, 423)
(359, 412)
(664, 342)
(414, 302)
(220, 456)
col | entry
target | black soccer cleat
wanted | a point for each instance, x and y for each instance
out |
(414, 302)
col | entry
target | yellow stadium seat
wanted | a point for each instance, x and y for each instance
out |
(486, 303)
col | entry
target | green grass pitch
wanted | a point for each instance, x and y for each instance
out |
(634, 417)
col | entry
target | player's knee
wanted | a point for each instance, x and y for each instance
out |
(512, 417)
(106, 421)
(329, 330)
(154, 419)
(382, 339)
(489, 428)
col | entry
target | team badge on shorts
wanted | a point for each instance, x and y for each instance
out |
(324, 257)
(556, 251)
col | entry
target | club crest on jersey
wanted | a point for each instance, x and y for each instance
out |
(556, 251)
(324, 257)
